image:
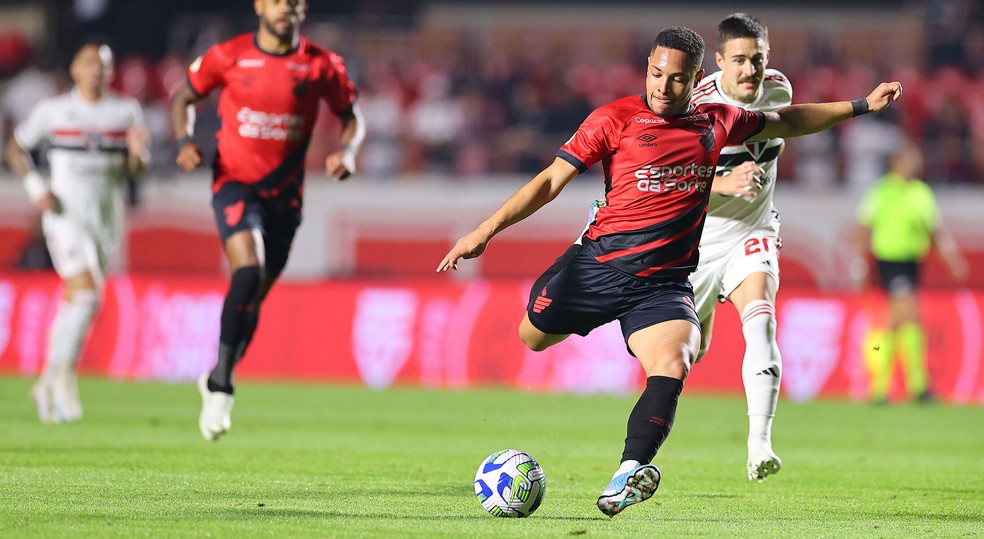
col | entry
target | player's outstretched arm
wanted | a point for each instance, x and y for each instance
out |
(534, 195)
(808, 118)
(20, 162)
(340, 164)
(138, 149)
(189, 156)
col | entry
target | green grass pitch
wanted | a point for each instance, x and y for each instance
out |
(328, 461)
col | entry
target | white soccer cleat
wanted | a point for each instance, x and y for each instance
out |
(762, 465)
(66, 406)
(629, 488)
(216, 416)
(41, 395)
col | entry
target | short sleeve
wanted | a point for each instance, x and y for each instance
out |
(205, 72)
(596, 138)
(781, 90)
(35, 128)
(742, 124)
(340, 92)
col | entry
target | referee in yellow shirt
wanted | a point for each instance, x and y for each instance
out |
(901, 222)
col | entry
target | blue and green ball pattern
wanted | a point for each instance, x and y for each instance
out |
(510, 483)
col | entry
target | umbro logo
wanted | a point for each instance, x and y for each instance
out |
(647, 137)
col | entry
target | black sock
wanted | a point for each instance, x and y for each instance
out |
(235, 325)
(252, 319)
(652, 418)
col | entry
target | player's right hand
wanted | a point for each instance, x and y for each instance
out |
(469, 246)
(189, 157)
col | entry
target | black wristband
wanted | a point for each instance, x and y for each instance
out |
(859, 107)
(187, 138)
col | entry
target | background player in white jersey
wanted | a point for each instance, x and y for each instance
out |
(739, 247)
(95, 138)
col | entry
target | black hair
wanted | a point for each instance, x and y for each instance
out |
(681, 38)
(740, 25)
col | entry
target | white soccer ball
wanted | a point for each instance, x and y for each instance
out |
(510, 483)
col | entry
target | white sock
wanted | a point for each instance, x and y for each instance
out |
(626, 466)
(761, 371)
(68, 331)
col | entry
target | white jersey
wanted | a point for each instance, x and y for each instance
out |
(730, 217)
(88, 158)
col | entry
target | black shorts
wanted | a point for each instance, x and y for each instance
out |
(898, 277)
(578, 294)
(238, 206)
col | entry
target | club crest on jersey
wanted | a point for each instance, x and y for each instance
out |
(701, 124)
(756, 149)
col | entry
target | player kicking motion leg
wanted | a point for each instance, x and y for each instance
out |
(634, 260)
(95, 139)
(272, 82)
(739, 248)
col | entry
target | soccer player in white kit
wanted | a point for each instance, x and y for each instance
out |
(739, 247)
(95, 137)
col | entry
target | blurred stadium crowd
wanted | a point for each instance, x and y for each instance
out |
(451, 101)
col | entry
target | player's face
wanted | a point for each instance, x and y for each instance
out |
(280, 17)
(742, 62)
(92, 69)
(670, 82)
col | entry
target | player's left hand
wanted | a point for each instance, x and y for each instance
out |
(138, 147)
(336, 167)
(883, 95)
(137, 140)
(743, 180)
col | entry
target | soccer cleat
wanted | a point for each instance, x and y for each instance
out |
(629, 488)
(215, 418)
(41, 395)
(762, 465)
(66, 406)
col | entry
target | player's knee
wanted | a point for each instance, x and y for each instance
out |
(87, 300)
(536, 340)
(705, 345)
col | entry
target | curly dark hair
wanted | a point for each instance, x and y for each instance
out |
(682, 39)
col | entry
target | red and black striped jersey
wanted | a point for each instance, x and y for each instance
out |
(658, 173)
(268, 106)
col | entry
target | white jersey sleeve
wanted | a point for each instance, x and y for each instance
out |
(728, 216)
(35, 128)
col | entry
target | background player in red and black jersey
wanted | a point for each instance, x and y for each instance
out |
(272, 83)
(658, 152)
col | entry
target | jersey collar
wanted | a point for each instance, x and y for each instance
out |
(290, 51)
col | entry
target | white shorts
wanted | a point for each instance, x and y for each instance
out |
(75, 249)
(724, 265)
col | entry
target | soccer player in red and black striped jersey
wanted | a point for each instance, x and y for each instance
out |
(659, 153)
(272, 82)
